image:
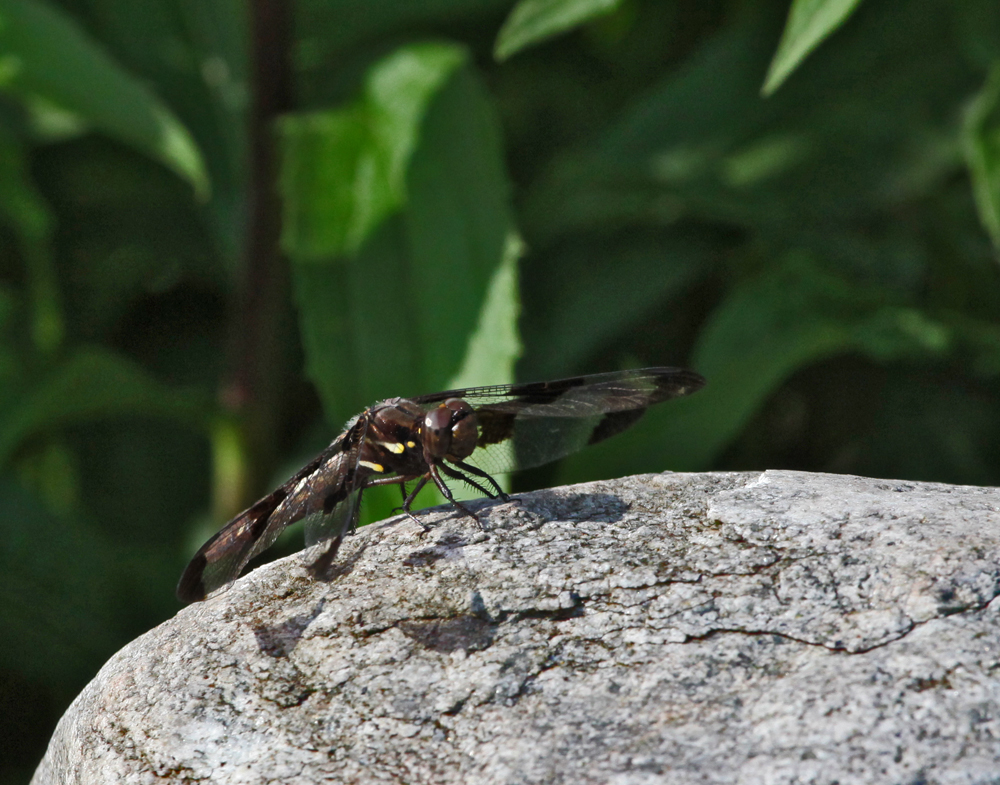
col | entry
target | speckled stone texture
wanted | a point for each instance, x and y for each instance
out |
(775, 627)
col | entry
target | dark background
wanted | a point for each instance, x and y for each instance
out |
(463, 189)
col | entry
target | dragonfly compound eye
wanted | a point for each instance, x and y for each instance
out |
(464, 429)
(450, 430)
(437, 431)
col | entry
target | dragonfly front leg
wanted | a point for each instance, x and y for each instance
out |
(435, 470)
(407, 499)
(479, 473)
(467, 480)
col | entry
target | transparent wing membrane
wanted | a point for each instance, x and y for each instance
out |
(580, 395)
(340, 521)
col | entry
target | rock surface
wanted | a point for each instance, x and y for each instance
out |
(775, 627)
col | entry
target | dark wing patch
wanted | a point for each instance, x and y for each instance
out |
(613, 423)
(494, 427)
(340, 500)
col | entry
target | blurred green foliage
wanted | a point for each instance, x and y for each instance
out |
(800, 200)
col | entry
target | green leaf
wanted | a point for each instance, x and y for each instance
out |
(981, 142)
(532, 21)
(494, 345)
(93, 383)
(809, 22)
(345, 171)
(48, 61)
(459, 228)
(406, 277)
(395, 299)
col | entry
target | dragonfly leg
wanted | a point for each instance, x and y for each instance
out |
(480, 473)
(408, 501)
(446, 491)
(467, 480)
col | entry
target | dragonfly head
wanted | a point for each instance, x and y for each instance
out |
(450, 431)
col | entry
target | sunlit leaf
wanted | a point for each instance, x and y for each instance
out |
(345, 171)
(405, 270)
(532, 21)
(393, 270)
(809, 23)
(494, 346)
(45, 57)
(981, 142)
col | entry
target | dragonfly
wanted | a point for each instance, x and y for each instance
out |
(465, 434)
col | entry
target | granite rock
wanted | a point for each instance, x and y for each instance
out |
(764, 627)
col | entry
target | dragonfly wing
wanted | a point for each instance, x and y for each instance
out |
(338, 514)
(578, 395)
(220, 560)
(528, 425)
